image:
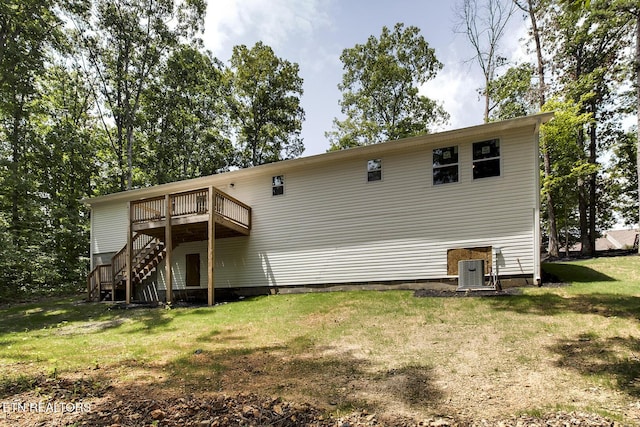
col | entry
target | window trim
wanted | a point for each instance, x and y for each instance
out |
(435, 167)
(274, 186)
(373, 171)
(474, 161)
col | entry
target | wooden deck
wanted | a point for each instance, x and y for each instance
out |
(157, 225)
(232, 217)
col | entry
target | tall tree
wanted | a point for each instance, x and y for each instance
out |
(29, 30)
(632, 9)
(484, 23)
(559, 142)
(265, 106)
(380, 89)
(589, 50)
(185, 119)
(124, 43)
(66, 167)
(534, 9)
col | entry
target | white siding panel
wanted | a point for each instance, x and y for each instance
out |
(332, 226)
(109, 222)
(179, 263)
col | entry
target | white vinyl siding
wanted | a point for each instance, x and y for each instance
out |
(333, 227)
(398, 230)
(179, 266)
(108, 228)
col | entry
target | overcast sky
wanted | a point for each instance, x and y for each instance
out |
(313, 33)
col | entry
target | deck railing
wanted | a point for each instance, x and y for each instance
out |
(194, 202)
(190, 203)
(232, 209)
(148, 210)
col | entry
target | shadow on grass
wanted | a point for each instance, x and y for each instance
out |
(70, 316)
(558, 271)
(329, 378)
(48, 314)
(612, 358)
(607, 305)
(151, 320)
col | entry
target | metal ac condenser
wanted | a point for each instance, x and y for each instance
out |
(471, 274)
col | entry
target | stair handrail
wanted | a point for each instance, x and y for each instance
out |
(99, 275)
(139, 243)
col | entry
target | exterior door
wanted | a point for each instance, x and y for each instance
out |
(193, 270)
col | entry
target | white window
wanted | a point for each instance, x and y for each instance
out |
(277, 185)
(486, 159)
(445, 165)
(374, 170)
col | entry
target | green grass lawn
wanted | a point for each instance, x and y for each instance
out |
(569, 347)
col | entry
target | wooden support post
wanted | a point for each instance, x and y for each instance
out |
(211, 246)
(128, 284)
(169, 248)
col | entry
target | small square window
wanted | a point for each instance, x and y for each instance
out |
(277, 185)
(374, 170)
(445, 165)
(486, 159)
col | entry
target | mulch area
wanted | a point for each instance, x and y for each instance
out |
(252, 410)
(453, 293)
(92, 403)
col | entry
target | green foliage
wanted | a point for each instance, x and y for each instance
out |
(380, 89)
(29, 30)
(264, 104)
(589, 56)
(560, 140)
(512, 93)
(185, 120)
(624, 176)
(125, 43)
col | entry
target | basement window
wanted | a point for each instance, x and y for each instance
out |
(486, 159)
(374, 170)
(277, 185)
(445, 165)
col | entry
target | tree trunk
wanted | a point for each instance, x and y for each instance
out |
(593, 152)
(553, 249)
(130, 158)
(637, 70)
(554, 245)
(486, 99)
(583, 205)
(16, 159)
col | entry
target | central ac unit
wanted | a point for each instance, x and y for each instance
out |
(471, 274)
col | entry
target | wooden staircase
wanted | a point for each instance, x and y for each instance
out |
(160, 223)
(106, 279)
